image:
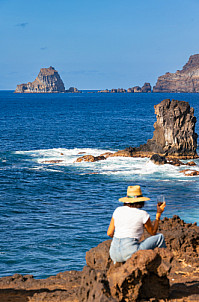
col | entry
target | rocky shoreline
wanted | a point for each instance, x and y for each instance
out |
(174, 137)
(169, 274)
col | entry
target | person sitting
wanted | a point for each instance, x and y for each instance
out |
(127, 226)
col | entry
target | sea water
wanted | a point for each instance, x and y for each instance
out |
(52, 213)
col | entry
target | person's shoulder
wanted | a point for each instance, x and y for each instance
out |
(118, 210)
(142, 212)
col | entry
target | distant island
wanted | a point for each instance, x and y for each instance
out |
(47, 81)
(182, 81)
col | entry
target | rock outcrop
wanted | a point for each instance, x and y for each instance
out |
(48, 80)
(73, 90)
(146, 88)
(174, 133)
(185, 80)
(170, 274)
(174, 136)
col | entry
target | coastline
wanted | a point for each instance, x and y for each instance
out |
(179, 265)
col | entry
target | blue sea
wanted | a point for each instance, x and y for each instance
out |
(51, 214)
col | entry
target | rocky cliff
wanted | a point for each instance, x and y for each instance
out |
(185, 80)
(169, 274)
(174, 133)
(48, 80)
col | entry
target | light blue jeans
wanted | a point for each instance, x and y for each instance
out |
(122, 248)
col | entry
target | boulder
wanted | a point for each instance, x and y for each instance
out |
(169, 274)
(48, 80)
(158, 160)
(185, 80)
(188, 172)
(90, 158)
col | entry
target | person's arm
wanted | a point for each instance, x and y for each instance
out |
(152, 228)
(111, 228)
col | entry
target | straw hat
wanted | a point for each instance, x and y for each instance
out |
(134, 194)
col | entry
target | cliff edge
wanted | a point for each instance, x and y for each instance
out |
(185, 80)
(48, 80)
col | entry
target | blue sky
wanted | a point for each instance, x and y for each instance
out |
(96, 44)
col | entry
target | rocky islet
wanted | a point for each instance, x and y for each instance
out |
(182, 81)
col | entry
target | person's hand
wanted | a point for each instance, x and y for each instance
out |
(160, 208)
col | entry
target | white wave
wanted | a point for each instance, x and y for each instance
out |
(128, 167)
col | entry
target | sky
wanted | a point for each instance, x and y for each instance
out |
(96, 44)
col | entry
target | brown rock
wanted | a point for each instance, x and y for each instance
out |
(188, 172)
(185, 80)
(191, 163)
(146, 88)
(174, 133)
(137, 89)
(48, 80)
(90, 158)
(141, 277)
(170, 274)
(73, 90)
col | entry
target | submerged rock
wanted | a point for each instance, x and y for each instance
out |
(48, 80)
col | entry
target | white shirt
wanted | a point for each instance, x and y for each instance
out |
(129, 222)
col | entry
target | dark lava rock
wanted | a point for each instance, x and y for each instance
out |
(158, 159)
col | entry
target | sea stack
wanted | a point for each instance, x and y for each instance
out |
(185, 80)
(47, 81)
(174, 133)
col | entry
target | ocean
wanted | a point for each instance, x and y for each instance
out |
(52, 213)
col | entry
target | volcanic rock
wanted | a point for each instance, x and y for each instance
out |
(185, 80)
(188, 172)
(158, 160)
(73, 90)
(146, 88)
(48, 80)
(170, 274)
(174, 133)
(90, 158)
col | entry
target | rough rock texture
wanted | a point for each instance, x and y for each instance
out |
(146, 88)
(48, 80)
(158, 160)
(174, 133)
(169, 274)
(185, 80)
(90, 158)
(174, 136)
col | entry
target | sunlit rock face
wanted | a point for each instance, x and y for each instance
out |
(48, 80)
(185, 80)
(174, 133)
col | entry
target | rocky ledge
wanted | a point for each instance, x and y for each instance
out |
(169, 274)
(185, 80)
(48, 80)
